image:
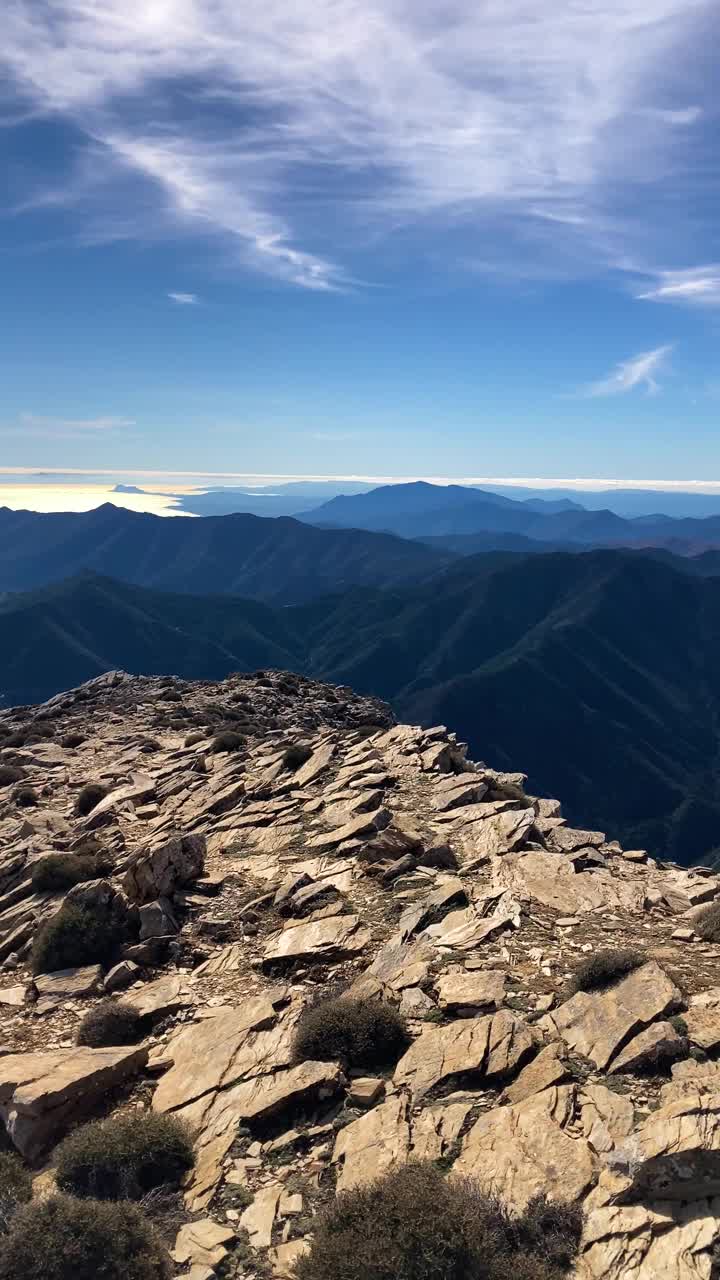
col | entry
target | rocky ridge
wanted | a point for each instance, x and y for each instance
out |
(333, 848)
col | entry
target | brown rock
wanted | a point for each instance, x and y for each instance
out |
(528, 1149)
(491, 1047)
(42, 1094)
(54, 989)
(657, 1043)
(329, 939)
(545, 1070)
(156, 873)
(458, 988)
(598, 1025)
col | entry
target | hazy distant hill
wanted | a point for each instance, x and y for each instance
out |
(279, 560)
(423, 510)
(597, 673)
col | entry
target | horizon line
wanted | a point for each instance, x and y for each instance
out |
(255, 479)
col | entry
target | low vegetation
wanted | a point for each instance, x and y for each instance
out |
(9, 774)
(707, 923)
(124, 1157)
(111, 1022)
(15, 1187)
(72, 740)
(297, 755)
(414, 1224)
(25, 797)
(90, 796)
(61, 1238)
(360, 1033)
(605, 968)
(75, 936)
(59, 871)
(228, 740)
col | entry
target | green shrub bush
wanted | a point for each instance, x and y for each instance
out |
(124, 1157)
(25, 797)
(707, 923)
(604, 968)
(110, 1023)
(362, 1033)
(296, 755)
(229, 740)
(10, 773)
(414, 1224)
(60, 871)
(65, 1239)
(75, 936)
(15, 1187)
(90, 796)
(550, 1230)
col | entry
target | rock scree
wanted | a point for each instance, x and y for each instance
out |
(334, 851)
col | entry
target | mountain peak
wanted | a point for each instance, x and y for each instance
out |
(297, 842)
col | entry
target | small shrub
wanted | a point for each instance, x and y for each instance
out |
(707, 923)
(604, 968)
(363, 1033)
(414, 1224)
(90, 796)
(110, 1022)
(72, 740)
(679, 1024)
(10, 773)
(124, 1157)
(296, 755)
(75, 936)
(193, 738)
(65, 1239)
(229, 740)
(550, 1230)
(15, 1187)
(25, 797)
(60, 871)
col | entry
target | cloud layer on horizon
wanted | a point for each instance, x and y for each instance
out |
(298, 134)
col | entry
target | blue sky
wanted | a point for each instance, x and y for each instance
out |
(361, 236)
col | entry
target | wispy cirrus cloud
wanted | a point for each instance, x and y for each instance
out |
(104, 423)
(184, 299)
(697, 287)
(36, 426)
(295, 134)
(640, 371)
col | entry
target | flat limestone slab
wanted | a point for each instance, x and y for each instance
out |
(493, 1046)
(525, 1150)
(41, 1094)
(598, 1025)
(212, 1054)
(335, 937)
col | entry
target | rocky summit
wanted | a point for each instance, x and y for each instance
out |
(255, 844)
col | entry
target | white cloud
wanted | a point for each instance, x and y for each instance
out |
(696, 287)
(315, 122)
(640, 371)
(35, 426)
(107, 423)
(184, 299)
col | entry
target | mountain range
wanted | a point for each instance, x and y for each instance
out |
(422, 510)
(392, 536)
(595, 672)
(278, 560)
